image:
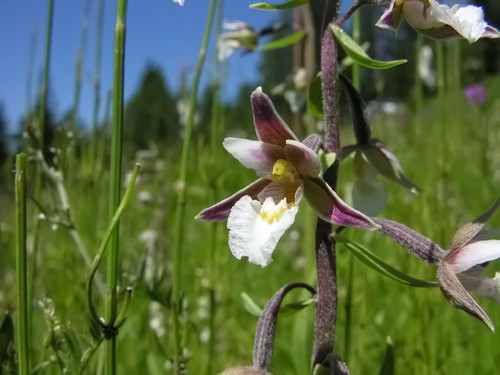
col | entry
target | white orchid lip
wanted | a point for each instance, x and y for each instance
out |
(255, 228)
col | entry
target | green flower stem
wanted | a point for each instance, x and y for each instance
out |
(182, 192)
(356, 36)
(97, 83)
(115, 176)
(29, 75)
(45, 82)
(56, 178)
(80, 58)
(41, 136)
(23, 342)
(104, 243)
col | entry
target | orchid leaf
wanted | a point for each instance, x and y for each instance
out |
(321, 370)
(387, 367)
(327, 159)
(286, 41)
(6, 339)
(373, 261)
(295, 307)
(358, 54)
(250, 305)
(315, 98)
(286, 5)
(289, 309)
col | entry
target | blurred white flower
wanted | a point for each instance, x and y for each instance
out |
(238, 35)
(426, 66)
(180, 2)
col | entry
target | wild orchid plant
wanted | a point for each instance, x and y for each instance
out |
(288, 169)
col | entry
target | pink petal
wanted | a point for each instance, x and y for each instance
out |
(269, 126)
(255, 155)
(473, 254)
(491, 32)
(303, 158)
(220, 211)
(391, 19)
(331, 208)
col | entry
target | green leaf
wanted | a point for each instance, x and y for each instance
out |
(6, 338)
(315, 98)
(327, 159)
(356, 52)
(250, 305)
(373, 261)
(387, 367)
(286, 41)
(295, 307)
(287, 5)
(321, 370)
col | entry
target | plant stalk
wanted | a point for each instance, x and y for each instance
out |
(182, 192)
(326, 268)
(23, 334)
(115, 178)
(97, 83)
(80, 58)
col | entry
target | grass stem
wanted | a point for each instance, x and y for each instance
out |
(115, 178)
(182, 192)
(23, 346)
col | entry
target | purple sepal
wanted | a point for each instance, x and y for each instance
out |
(220, 211)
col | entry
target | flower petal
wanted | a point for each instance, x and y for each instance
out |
(458, 297)
(331, 208)
(255, 228)
(269, 126)
(347, 150)
(303, 158)
(439, 21)
(255, 155)
(387, 164)
(368, 195)
(475, 280)
(391, 19)
(279, 190)
(473, 254)
(220, 211)
(471, 231)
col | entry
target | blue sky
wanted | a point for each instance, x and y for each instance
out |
(158, 31)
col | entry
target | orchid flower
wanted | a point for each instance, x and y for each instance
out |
(238, 35)
(259, 214)
(180, 2)
(462, 270)
(371, 158)
(438, 21)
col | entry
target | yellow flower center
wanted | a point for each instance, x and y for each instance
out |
(271, 214)
(285, 172)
